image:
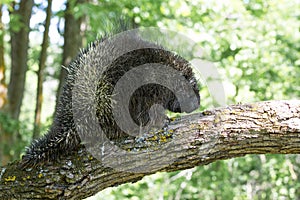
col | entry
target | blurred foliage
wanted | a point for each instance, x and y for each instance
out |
(248, 40)
(250, 177)
(9, 126)
(256, 46)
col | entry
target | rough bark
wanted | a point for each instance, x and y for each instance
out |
(40, 74)
(72, 41)
(196, 139)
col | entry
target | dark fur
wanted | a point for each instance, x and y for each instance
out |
(62, 137)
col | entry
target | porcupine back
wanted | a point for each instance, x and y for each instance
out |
(62, 137)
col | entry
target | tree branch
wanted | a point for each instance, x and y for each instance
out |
(197, 139)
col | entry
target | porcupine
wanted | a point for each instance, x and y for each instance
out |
(62, 137)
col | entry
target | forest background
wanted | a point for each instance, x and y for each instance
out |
(255, 45)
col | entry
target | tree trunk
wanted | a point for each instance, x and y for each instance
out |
(72, 42)
(42, 63)
(19, 47)
(19, 44)
(197, 139)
